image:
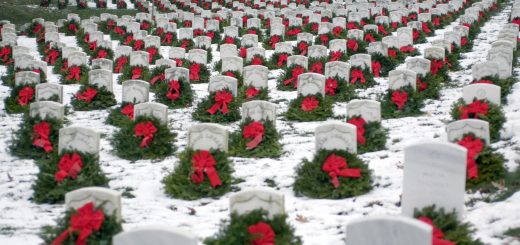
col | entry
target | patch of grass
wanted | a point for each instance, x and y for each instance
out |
(514, 232)
(511, 184)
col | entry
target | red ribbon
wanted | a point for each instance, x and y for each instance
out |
(352, 25)
(178, 62)
(194, 72)
(255, 131)
(463, 41)
(229, 40)
(335, 55)
(203, 162)
(310, 103)
(252, 92)
(282, 60)
(85, 221)
(118, 30)
(425, 28)
(399, 98)
(168, 38)
(436, 65)
(370, 38)
(65, 65)
(484, 81)
(138, 45)
(474, 146)
(87, 95)
(68, 166)
(447, 62)
(516, 21)
(145, 25)
(359, 122)
(294, 31)
(298, 70)
(25, 95)
(102, 54)
(303, 48)
(257, 61)
(222, 99)
(324, 39)
(357, 74)
(128, 110)
(243, 52)
(136, 72)
(415, 34)
(92, 46)
(392, 52)
(74, 73)
(317, 67)
(110, 24)
(41, 132)
(421, 86)
(187, 23)
(436, 21)
(274, 40)
(407, 49)
(404, 20)
(437, 233)
(147, 130)
(210, 34)
(336, 166)
(394, 25)
(86, 39)
(5, 53)
(336, 31)
(251, 31)
(376, 67)
(262, 234)
(73, 27)
(382, 29)
(331, 85)
(314, 27)
(174, 90)
(476, 108)
(352, 44)
(152, 51)
(121, 61)
(159, 77)
(37, 28)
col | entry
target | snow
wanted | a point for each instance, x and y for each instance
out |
(21, 219)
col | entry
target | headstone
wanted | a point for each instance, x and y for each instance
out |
(139, 58)
(233, 63)
(26, 78)
(45, 109)
(484, 69)
(228, 50)
(199, 56)
(361, 60)
(135, 91)
(220, 82)
(457, 129)
(434, 53)
(101, 78)
(370, 110)
(44, 91)
(177, 73)
(78, 139)
(110, 199)
(401, 78)
(337, 68)
(156, 234)
(152, 109)
(481, 91)
(259, 110)
(419, 65)
(299, 60)
(258, 198)
(505, 58)
(405, 36)
(103, 64)
(311, 84)
(336, 136)
(207, 136)
(177, 53)
(256, 76)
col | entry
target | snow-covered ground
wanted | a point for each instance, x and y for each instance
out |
(323, 221)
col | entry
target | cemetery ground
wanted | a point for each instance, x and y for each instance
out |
(496, 218)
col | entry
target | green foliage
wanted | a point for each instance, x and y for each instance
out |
(235, 230)
(491, 169)
(454, 230)
(434, 85)
(387, 64)
(505, 85)
(103, 236)
(103, 99)
(178, 184)
(321, 113)
(126, 144)
(286, 74)
(344, 92)
(126, 73)
(48, 190)
(453, 59)
(367, 74)
(514, 232)
(204, 73)
(495, 117)
(268, 147)
(375, 138)
(201, 113)
(411, 108)
(312, 181)
(21, 144)
(116, 118)
(83, 76)
(273, 60)
(512, 185)
(184, 100)
(11, 103)
(262, 95)
(362, 48)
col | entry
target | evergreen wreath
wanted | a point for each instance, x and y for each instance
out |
(505, 85)
(319, 111)
(68, 78)
(179, 183)
(429, 86)
(248, 93)
(339, 89)
(312, 181)
(202, 76)
(201, 112)
(181, 99)
(386, 63)
(317, 65)
(288, 79)
(269, 146)
(450, 228)
(235, 231)
(494, 115)
(102, 99)
(117, 118)
(276, 63)
(22, 143)
(128, 70)
(127, 142)
(20, 98)
(357, 82)
(48, 190)
(411, 107)
(374, 135)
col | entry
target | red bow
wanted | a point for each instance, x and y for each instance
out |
(412, 16)
(73, 27)
(484, 81)
(121, 61)
(314, 26)
(425, 27)
(243, 52)
(86, 39)
(335, 55)
(474, 146)
(251, 31)
(357, 74)
(41, 133)
(37, 28)
(421, 86)
(293, 32)
(222, 99)
(336, 31)
(376, 66)
(25, 95)
(282, 60)
(359, 122)
(145, 25)
(370, 38)
(437, 233)
(85, 221)
(298, 70)
(303, 48)
(203, 162)
(447, 62)
(394, 25)
(174, 91)
(138, 45)
(262, 234)
(404, 20)
(352, 25)
(382, 29)
(102, 54)
(310, 103)
(229, 40)
(74, 73)
(516, 21)
(118, 30)
(324, 39)
(92, 46)
(136, 72)
(87, 95)
(436, 66)
(65, 65)
(128, 110)
(159, 77)
(256, 60)
(392, 52)
(178, 62)
(399, 98)
(317, 67)
(255, 131)
(352, 44)
(467, 25)
(337, 166)
(252, 92)
(147, 130)
(415, 35)
(68, 166)
(476, 108)
(152, 51)
(168, 38)
(5, 53)
(110, 24)
(194, 72)
(463, 41)
(407, 49)
(436, 21)
(129, 39)
(187, 23)
(274, 40)
(331, 85)
(210, 34)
